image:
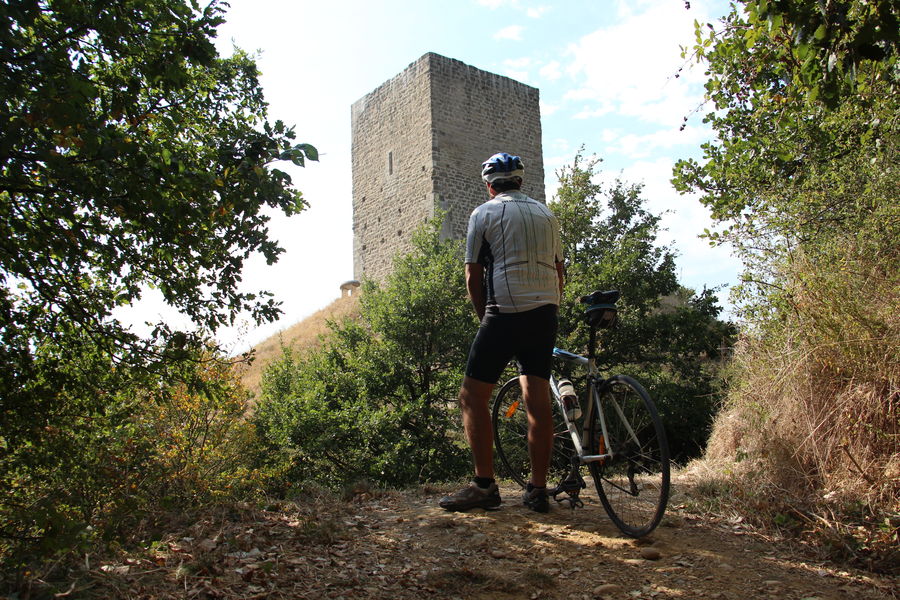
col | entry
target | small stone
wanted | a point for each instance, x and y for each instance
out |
(478, 539)
(498, 553)
(116, 569)
(207, 545)
(726, 567)
(606, 588)
(650, 553)
(644, 541)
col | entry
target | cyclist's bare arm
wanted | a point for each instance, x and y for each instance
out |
(561, 275)
(475, 287)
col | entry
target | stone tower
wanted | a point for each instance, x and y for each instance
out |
(418, 142)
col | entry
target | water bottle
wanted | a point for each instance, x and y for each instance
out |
(569, 399)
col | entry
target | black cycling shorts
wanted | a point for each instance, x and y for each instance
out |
(528, 336)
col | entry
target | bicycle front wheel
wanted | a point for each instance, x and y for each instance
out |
(510, 422)
(633, 483)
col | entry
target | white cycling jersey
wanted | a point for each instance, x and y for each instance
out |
(516, 239)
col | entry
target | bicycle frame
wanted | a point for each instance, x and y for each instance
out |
(574, 482)
(593, 375)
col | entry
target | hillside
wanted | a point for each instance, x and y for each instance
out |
(304, 334)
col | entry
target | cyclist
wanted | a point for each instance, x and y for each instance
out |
(514, 278)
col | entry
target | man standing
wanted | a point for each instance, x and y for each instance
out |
(514, 277)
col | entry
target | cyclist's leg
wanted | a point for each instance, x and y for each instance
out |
(476, 417)
(488, 356)
(540, 426)
(536, 338)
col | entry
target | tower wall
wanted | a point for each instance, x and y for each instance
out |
(418, 142)
(392, 170)
(475, 114)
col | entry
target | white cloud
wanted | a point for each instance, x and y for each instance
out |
(492, 4)
(517, 68)
(636, 73)
(643, 146)
(580, 94)
(608, 135)
(548, 109)
(513, 32)
(521, 76)
(551, 71)
(537, 12)
(590, 113)
(560, 145)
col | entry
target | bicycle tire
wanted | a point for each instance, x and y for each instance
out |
(633, 484)
(510, 423)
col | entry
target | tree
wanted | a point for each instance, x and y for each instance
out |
(806, 120)
(668, 336)
(802, 178)
(377, 400)
(132, 156)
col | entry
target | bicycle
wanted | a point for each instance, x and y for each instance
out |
(621, 438)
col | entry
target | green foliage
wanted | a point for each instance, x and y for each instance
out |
(376, 401)
(668, 336)
(805, 157)
(803, 181)
(132, 157)
(93, 470)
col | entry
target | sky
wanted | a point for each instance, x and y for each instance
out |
(606, 71)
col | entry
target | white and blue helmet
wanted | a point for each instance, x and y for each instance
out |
(502, 166)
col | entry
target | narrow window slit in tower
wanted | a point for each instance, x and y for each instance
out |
(390, 163)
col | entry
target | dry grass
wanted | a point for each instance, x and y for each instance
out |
(305, 334)
(809, 442)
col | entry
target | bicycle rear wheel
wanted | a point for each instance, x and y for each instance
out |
(510, 422)
(633, 484)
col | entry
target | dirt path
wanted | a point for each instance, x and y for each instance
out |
(401, 545)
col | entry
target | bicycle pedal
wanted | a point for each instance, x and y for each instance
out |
(573, 502)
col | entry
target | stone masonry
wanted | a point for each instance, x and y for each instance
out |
(418, 142)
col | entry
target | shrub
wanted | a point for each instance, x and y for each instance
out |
(94, 466)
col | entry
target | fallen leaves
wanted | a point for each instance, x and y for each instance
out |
(401, 546)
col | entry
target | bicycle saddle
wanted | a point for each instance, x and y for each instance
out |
(598, 297)
(601, 311)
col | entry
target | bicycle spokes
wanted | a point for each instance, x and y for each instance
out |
(633, 482)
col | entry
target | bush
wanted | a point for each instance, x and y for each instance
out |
(376, 400)
(813, 419)
(94, 466)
